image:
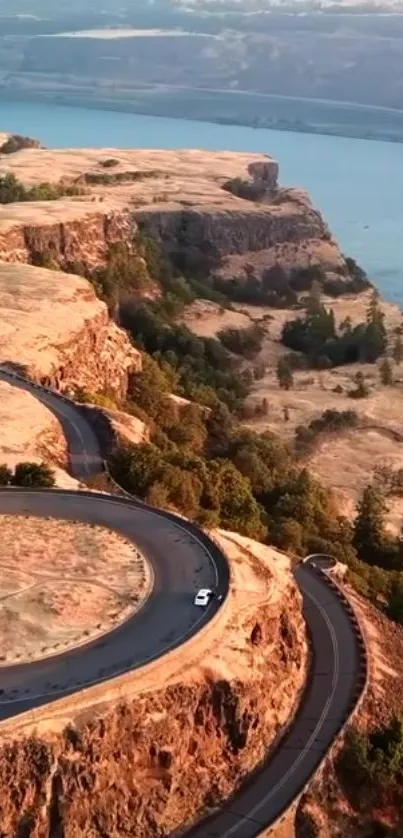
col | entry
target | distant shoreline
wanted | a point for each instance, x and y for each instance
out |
(173, 110)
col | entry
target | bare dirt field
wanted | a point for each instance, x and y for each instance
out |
(62, 583)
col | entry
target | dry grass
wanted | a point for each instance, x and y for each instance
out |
(77, 581)
(179, 175)
(345, 463)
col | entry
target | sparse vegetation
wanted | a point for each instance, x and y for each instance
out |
(285, 377)
(105, 179)
(125, 274)
(13, 191)
(208, 467)
(281, 288)
(330, 421)
(398, 349)
(386, 372)
(377, 572)
(246, 342)
(361, 390)
(370, 767)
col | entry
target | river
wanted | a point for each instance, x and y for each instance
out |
(357, 184)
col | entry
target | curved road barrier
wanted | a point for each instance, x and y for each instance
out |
(183, 557)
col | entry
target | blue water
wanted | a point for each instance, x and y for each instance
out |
(357, 184)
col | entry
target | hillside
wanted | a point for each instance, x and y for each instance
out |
(233, 358)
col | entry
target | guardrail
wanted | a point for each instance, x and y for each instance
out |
(363, 677)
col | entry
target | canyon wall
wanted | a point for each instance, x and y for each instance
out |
(247, 228)
(74, 235)
(55, 330)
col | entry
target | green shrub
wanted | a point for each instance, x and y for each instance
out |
(317, 337)
(5, 475)
(330, 421)
(103, 178)
(13, 191)
(370, 765)
(33, 474)
(246, 342)
(197, 363)
(110, 162)
(16, 142)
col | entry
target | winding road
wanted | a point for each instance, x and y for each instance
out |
(183, 559)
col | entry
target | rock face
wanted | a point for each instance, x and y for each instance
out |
(29, 429)
(55, 329)
(162, 759)
(246, 228)
(31, 433)
(69, 234)
(218, 203)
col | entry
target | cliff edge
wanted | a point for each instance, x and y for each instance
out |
(227, 205)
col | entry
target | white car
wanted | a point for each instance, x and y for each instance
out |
(203, 597)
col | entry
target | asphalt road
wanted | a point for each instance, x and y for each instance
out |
(183, 559)
(82, 444)
(329, 697)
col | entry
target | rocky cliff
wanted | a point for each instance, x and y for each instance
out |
(225, 205)
(184, 738)
(29, 431)
(55, 329)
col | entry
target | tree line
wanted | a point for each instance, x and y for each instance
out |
(325, 345)
(203, 463)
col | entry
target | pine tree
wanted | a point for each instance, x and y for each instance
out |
(284, 374)
(373, 307)
(346, 326)
(386, 372)
(398, 349)
(375, 338)
(369, 525)
(361, 391)
(313, 303)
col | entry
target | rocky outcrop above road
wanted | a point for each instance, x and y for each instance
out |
(227, 207)
(29, 431)
(56, 331)
(175, 748)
